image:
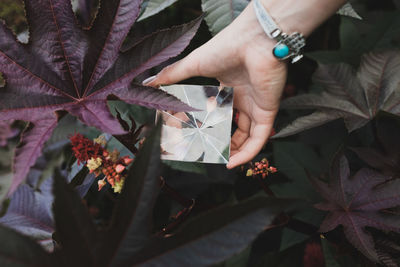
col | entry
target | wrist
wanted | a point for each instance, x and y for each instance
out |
(301, 16)
(252, 35)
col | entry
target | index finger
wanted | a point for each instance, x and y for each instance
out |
(180, 70)
(251, 147)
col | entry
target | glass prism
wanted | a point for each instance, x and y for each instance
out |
(198, 136)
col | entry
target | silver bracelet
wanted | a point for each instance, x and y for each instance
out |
(288, 46)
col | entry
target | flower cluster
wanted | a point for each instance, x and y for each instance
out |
(261, 168)
(101, 161)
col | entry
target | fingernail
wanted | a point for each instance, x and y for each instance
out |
(149, 80)
(228, 165)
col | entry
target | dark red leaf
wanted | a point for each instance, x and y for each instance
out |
(109, 30)
(32, 142)
(147, 96)
(56, 38)
(357, 202)
(96, 113)
(149, 52)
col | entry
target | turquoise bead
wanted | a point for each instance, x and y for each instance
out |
(281, 50)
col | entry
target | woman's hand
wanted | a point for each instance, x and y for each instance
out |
(240, 57)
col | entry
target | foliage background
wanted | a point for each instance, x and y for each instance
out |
(294, 242)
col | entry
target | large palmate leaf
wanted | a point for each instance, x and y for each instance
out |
(356, 97)
(357, 202)
(64, 67)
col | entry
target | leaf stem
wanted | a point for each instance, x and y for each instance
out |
(266, 189)
(184, 201)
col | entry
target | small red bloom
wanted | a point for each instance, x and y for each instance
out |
(261, 168)
(101, 161)
(84, 148)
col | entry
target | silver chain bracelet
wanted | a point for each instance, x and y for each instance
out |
(288, 46)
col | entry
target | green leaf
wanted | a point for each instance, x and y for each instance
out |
(186, 166)
(155, 6)
(5, 183)
(376, 32)
(220, 13)
(291, 238)
(17, 250)
(287, 258)
(213, 236)
(140, 114)
(307, 122)
(293, 159)
(329, 254)
(357, 97)
(74, 227)
(238, 260)
(131, 225)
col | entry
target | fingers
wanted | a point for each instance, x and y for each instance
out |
(251, 147)
(241, 134)
(181, 70)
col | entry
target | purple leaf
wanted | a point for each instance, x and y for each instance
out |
(379, 77)
(357, 202)
(62, 63)
(57, 39)
(30, 213)
(85, 12)
(23, 72)
(32, 142)
(18, 250)
(105, 39)
(149, 52)
(96, 113)
(147, 96)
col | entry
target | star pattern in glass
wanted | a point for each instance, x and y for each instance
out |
(198, 136)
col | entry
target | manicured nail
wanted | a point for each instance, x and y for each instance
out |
(149, 80)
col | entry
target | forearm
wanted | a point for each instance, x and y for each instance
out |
(301, 15)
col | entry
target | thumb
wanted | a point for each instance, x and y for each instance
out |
(181, 70)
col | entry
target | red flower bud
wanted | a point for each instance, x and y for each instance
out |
(119, 168)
